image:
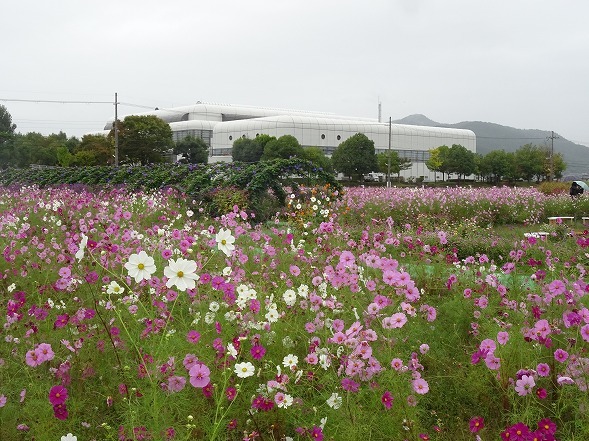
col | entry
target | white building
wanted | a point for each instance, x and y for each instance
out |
(219, 125)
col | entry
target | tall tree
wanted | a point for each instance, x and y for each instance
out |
(193, 150)
(461, 161)
(438, 160)
(144, 139)
(7, 129)
(355, 157)
(530, 162)
(94, 150)
(285, 147)
(246, 150)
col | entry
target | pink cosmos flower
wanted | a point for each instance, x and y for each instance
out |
(193, 336)
(44, 352)
(32, 358)
(176, 383)
(420, 386)
(397, 364)
(199, 375)
(524, 385)
(585, 332)
(543, 369)
(502, 337)
(398, 320)
(3, 400)
(561, 355)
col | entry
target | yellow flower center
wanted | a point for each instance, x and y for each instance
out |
(244, 369)
(223, 242)
(140, 266)
(180, 274)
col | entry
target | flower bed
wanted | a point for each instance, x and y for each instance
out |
(126, 317)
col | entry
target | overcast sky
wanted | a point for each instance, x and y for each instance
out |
(520, 63)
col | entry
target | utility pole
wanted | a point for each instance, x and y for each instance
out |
(116, 132)
(389, 162)
(552, 138)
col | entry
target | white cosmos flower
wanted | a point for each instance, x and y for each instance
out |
(335, 401)
(114, 288)
(140, 266)
(182, 273)
(290, 361)
(69, 437)
(244, 370)
(83, 243)
(225, 241)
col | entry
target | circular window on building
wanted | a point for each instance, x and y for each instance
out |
(323, 136)
(339, 137)
(230, 137)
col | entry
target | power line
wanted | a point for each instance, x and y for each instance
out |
(55, 101)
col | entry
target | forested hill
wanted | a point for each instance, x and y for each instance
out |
(492, 136)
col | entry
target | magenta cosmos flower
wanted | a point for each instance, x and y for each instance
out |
(57, 395)
(476, 424)
(387, 399)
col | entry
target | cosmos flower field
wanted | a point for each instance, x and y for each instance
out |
(384, 314)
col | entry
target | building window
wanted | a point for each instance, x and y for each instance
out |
(323, 136)
(339, 137)
(230, 138)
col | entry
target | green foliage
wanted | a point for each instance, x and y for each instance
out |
(461, 161)
(317, 157)
(247, 150)
(397, 164)
(355, 157)
(94, 150)
(262, 184)
(285, 147)
(530, 162)
(193, 150)
(143, 139)
(438, 160)
(224, 199)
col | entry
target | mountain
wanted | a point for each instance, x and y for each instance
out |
(492, 136)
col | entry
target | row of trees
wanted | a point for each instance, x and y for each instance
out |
(148, 139)
(142, 140)
(529, 162)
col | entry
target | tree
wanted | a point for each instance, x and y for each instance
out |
(397, 163)
(7, 129)
(246, 150)
(94, 150)
(193, 150)
(530, 162)
(285, 147)
(461, 161)
(438, 160)
(318, 157)
(355, 157)
(497, 164)
(143, 139)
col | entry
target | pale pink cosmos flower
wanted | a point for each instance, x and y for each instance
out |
(176, 383)
(524, 385)
(420, 386)
(199, 375)
(502, 337)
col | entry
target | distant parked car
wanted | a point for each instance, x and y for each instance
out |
(374, 177)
